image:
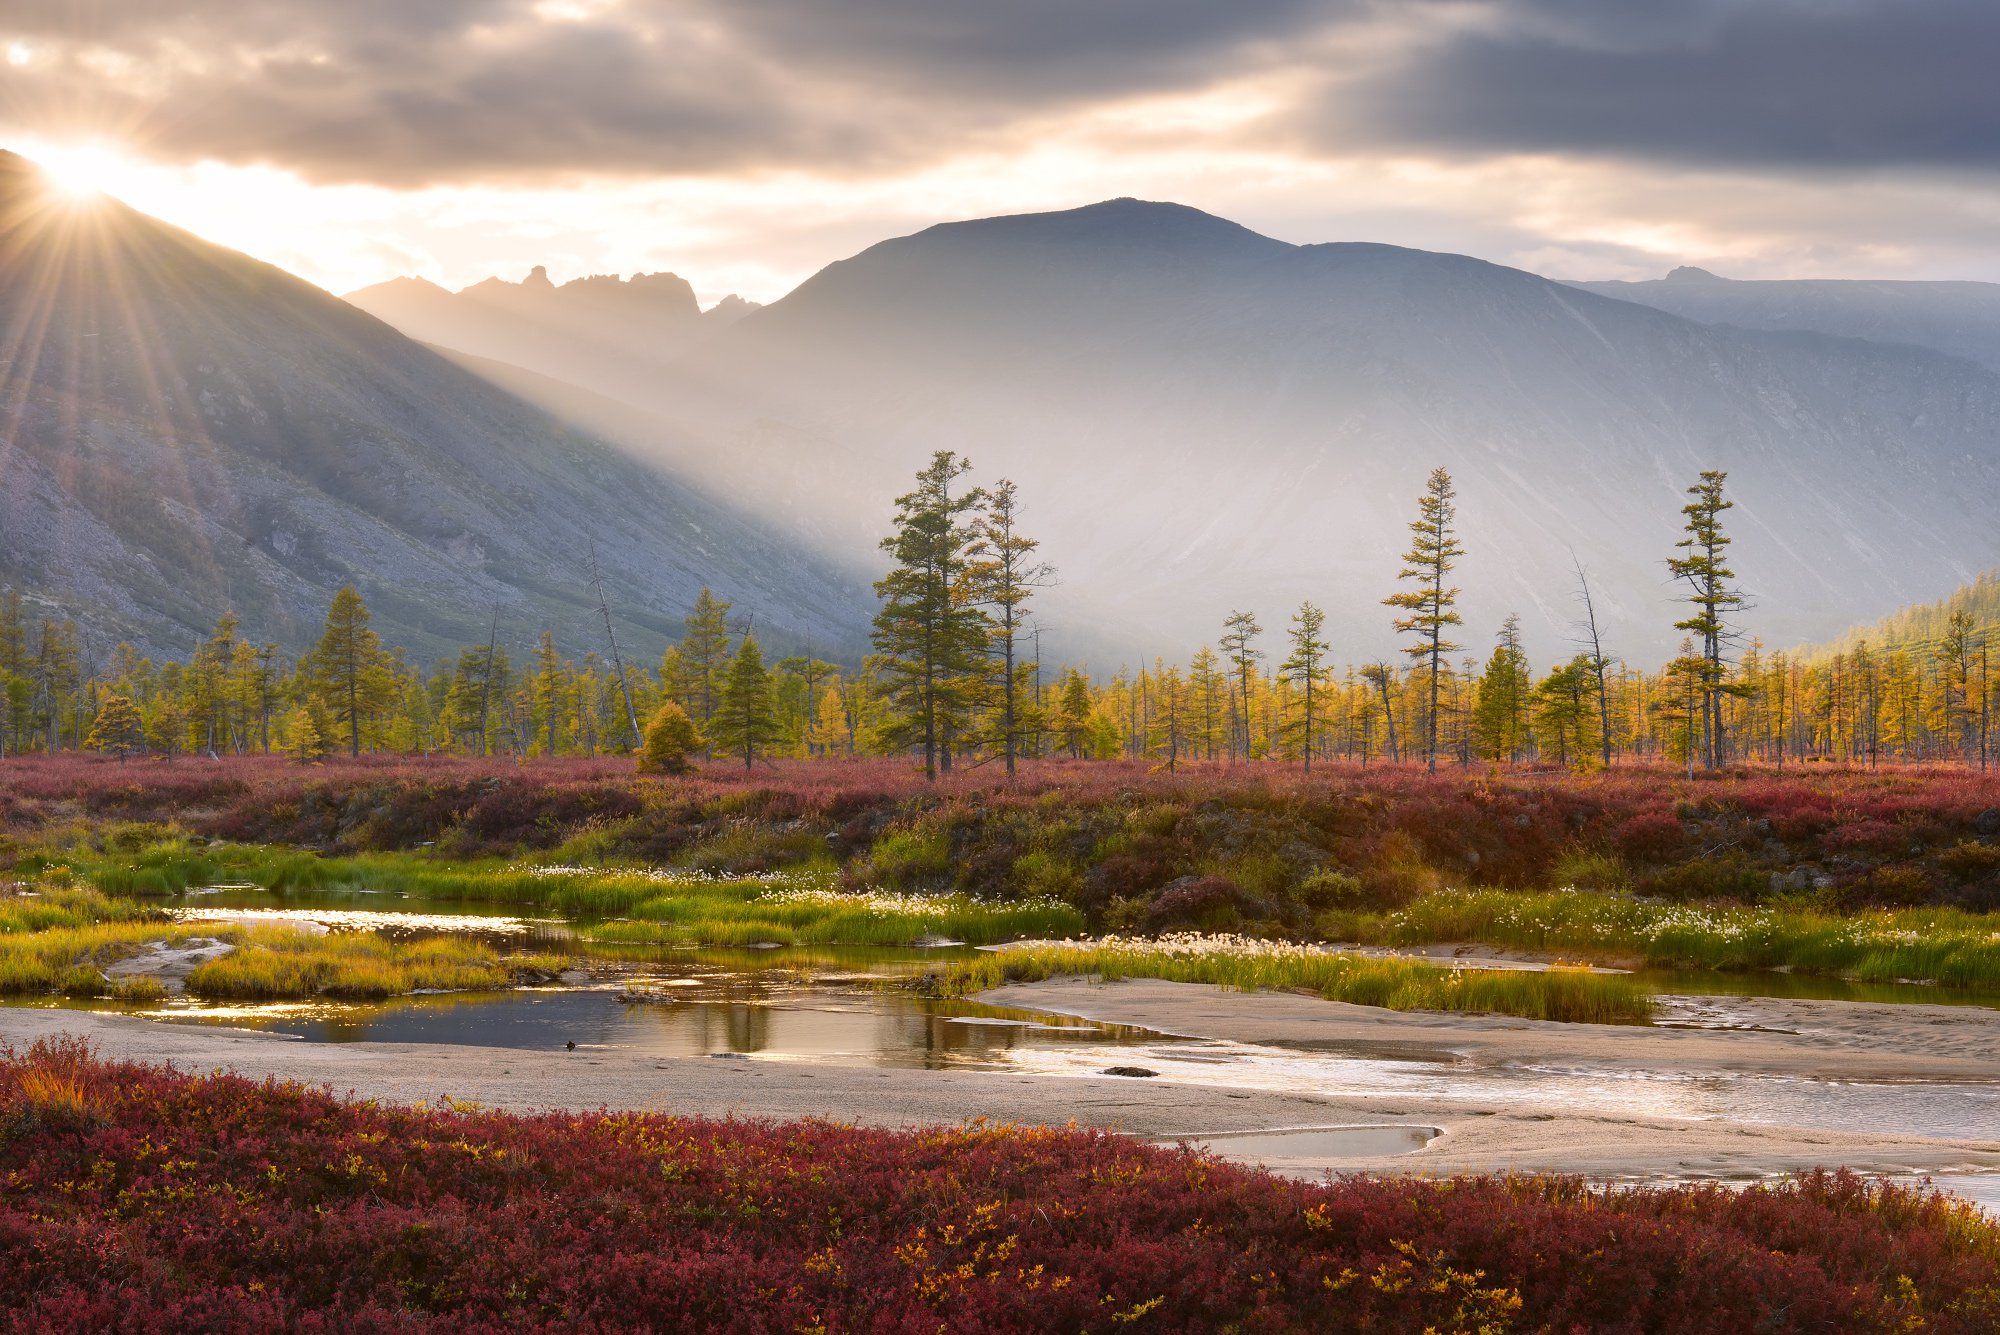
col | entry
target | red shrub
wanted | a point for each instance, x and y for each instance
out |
(217, 1203)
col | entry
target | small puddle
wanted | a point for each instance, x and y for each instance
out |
(1312, 1142)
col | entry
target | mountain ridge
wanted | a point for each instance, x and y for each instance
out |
(188, 430)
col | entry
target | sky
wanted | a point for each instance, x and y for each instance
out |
(746, 143)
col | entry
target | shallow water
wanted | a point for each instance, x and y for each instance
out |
(828, 1004)
(769, 1015)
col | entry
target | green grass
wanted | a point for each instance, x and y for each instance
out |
(1556, 994)
(61, 939)
(675, 907)
(739, 913)
(279, 964)
(1943, 946)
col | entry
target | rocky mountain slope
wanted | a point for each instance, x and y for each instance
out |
(1962, 319)
(184, 430)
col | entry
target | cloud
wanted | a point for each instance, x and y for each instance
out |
(1812, 85)
(406, 93)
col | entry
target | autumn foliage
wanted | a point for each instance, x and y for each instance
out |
(139, 1199)
(1099, 833)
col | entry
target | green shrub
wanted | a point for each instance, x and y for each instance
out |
(1047, 875)
(1585, 869)
(1971, 861)
(912, 860)
(1729, 877)
(1890, 887)
(1330, 888)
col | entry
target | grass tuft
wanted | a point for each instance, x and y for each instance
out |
(1236, 962)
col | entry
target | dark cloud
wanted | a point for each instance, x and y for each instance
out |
(396, 91)
(1813, 84)
(409, 91)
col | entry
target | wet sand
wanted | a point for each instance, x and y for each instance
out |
(1841, 1040)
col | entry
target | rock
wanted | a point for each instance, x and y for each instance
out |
(1135, 1072)
(1987, 822)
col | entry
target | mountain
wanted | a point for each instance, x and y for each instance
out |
(185, 430)
(1920, 628)
(1202, 418)
(1962, 319)
(604, 333)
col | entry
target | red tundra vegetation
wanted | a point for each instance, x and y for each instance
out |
(1096, 833)
(138, 1199)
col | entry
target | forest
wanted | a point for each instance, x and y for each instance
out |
(957, 678)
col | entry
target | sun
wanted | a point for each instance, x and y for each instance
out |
(81, 173)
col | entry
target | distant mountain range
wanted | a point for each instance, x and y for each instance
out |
(1203, 418)
(1200, 418)
(185, 430)
(1962, 319)
(602, 333)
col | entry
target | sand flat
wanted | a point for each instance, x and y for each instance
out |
(1844, 1040)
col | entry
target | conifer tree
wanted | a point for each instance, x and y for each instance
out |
(704, 656)
(348, 672)
(1434, 551)
(551, 689)
(1208, 687)
(832, 734)
(1705, 570)
(1005, 573)
(930, 638)
(308, 727)
(1305, 669)
(746, 720)
(167, 724)
(1957, 651)
(1563, 714)
(119, 730)
(1238, 643)
(670, 740)
(1500, 703)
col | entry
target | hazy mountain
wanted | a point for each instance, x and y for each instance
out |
(185, 430)
(1204, 418)
(1962, 319)
(604, 333)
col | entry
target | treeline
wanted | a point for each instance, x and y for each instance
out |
(957, 678)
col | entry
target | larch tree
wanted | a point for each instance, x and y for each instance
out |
(120, 730)
(1431, 604)
(348, 670)
(804, 675)
(1500, 700)
(670, 739)
(1704, 568)
(1004, 572)
(832, 733)
(704, 656)
(930, 637)
(1305, 669)
(1239, 646)
(551, 692)
(1208, 686)
(746, 717)
(1957, 652)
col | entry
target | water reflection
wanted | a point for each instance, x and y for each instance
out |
(769, 1015)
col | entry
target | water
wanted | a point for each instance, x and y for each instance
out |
(829, 1004)
(766, 1014)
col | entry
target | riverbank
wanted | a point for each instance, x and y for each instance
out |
(1827, 1040)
